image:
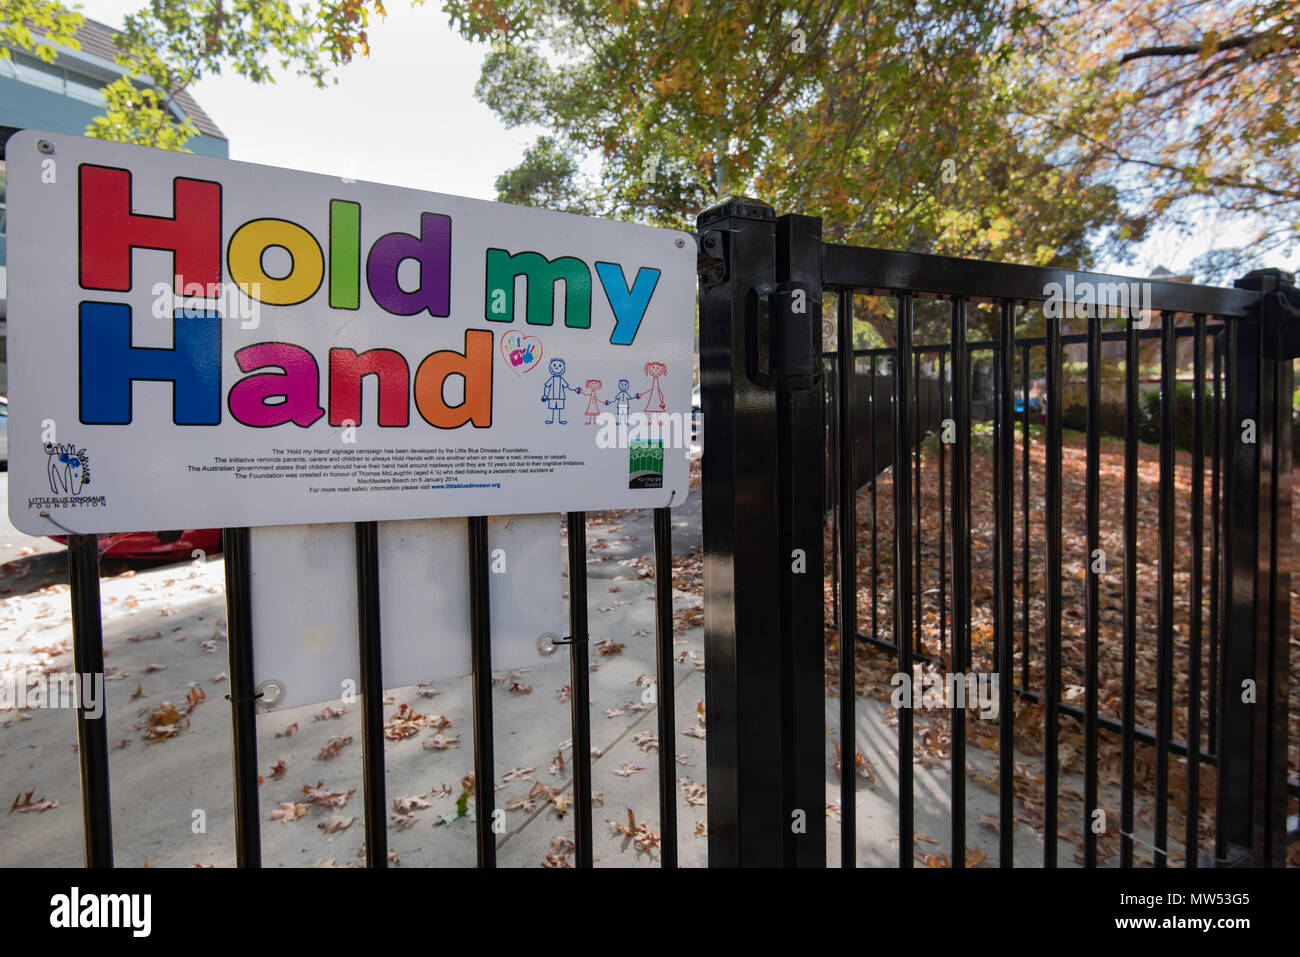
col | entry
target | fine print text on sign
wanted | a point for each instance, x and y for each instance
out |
(195, 342)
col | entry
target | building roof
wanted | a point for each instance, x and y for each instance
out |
(96, 40)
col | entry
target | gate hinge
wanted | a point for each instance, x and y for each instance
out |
(710, 258)
(783, 334)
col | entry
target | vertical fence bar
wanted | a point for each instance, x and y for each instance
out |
(580, 685)
(848, 612)
(1004, 624)
(1052, 524)
(664, 691)
(1092, 609)
(372, 695)
(1128, 738)
(832, 394)
(1165, 585)
(994, 488)
(917, 493)
(903, 570)
(236, 548)
(480, 619)
(1024, 504)
(871, 412)
(1216, 548)
(970, 525)
(960, 568)
(92, 733)
(1191, 840)
(1273, 631)
(1240, 503)
(943, 556)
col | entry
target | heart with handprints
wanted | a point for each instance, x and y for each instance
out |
(521, 352)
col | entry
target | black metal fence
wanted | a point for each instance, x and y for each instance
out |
(93, 738)
(765, 472)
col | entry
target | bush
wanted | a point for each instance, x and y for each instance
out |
(1075, 416)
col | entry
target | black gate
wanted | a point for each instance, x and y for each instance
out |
(910, 415)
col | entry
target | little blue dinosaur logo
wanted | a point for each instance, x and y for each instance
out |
(69, 468)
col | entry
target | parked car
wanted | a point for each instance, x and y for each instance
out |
(171, 545)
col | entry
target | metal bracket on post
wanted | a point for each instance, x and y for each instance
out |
(711, 257)
(783, 325)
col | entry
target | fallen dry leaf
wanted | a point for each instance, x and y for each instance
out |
(24, 803)
(323, 796)
(288, 811)
(332, 825)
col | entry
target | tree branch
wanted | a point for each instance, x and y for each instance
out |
(1192, 49)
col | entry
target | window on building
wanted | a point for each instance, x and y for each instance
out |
(39, 73)
(84, 88)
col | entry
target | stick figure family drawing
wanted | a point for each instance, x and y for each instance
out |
(556, 387)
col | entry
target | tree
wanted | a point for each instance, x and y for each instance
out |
(35, 25)
(892, 119)
(1189, 109)
(547, 176)
(1046, 131)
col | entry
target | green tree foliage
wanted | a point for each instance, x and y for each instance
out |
(1049, 132)
(548, 177)
(888, 117)
(168, 45)
(892, 119)
(35, 25)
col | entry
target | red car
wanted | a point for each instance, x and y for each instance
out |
(172, 545)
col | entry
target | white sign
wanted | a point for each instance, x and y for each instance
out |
(304, 598)
(195, 342)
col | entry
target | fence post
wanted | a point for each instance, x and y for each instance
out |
(762, 564)
(1255, 676)
(802, 468)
